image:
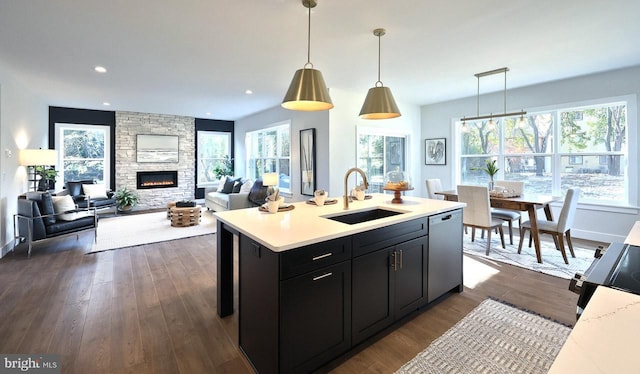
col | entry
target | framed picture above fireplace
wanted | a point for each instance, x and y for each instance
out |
(157, 148)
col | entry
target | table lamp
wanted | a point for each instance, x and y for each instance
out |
(270, 180)
(37, 157)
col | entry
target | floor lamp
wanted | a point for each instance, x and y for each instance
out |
(32, 158)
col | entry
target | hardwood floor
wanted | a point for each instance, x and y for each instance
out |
(152, 309)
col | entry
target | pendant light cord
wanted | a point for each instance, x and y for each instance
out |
(379, 54)
(309, 41)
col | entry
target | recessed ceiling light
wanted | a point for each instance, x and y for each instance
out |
(100, 69)
(106, 103)
(208, 113)
(248, 92)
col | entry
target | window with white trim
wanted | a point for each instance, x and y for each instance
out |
(83, 152)
(214, 152)
(379, 153)
(552, 151)
(269, 151)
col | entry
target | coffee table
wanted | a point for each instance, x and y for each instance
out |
(185, 217)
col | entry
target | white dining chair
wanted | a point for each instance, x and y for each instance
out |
(477, 213)
(433, 186)
(507, 215)
(557, 228)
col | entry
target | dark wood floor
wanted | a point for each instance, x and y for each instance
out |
(152, 309)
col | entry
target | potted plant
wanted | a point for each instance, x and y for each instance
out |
(47, 177)
(491, 169)
(224, 168)
(126, 199)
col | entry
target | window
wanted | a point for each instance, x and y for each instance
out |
(268, 151)
(214, 150)
(85, 152)
(552, 151)
(379, 154)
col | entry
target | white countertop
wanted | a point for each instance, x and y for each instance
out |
(305, 224)
(605, 339)
(634, 235)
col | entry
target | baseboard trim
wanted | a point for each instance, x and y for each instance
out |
(7, 248)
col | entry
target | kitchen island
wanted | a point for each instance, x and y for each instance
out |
(311, 287)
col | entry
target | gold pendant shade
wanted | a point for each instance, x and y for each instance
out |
(307, 92)
(379, 104)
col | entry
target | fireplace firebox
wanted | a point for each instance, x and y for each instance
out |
(156, 179)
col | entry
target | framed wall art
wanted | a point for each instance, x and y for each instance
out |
(435, 151)
(307, 161)
(157, 148)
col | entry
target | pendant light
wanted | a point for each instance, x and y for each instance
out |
(379, 103)
(307, 91)
(492, 116)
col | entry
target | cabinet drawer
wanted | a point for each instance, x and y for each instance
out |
(312, 257)
(373, 240)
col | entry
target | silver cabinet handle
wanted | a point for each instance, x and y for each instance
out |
(401, 259)
(322, 256)
(322, 276)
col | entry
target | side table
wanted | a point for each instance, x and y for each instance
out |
(184, 217)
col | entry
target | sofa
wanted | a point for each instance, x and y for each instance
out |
(43, 216)
(221, 199)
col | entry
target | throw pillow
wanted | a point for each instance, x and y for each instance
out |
(64, 207)
(246, 186)
(223, 179)
(46, 209)
(95, 191)
(228, 185)
(236, 187)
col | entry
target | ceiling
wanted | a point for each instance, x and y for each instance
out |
(197, 58)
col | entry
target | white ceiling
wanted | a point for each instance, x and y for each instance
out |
(193, 57)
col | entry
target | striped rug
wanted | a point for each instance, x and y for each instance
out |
(493, 338)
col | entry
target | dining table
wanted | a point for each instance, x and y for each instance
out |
(524, 203)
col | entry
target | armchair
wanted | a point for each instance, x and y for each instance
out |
(89, 194)
(37, 219)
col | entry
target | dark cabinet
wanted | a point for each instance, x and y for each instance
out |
(387, 285)
(295, 305)
(302, 308)
(315, 318)
(445, 253)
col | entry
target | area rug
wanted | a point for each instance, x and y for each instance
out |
(493, 338)
(137, 229)
(552, 262)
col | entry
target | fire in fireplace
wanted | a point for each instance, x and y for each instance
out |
(156, 179)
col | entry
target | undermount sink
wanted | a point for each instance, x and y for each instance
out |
(363, 216)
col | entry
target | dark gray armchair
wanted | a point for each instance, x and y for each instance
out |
(85, 200)
(37, 220)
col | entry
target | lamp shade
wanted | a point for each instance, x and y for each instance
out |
(30, 157)
(307, 92)
(379, 104)
(270, 179)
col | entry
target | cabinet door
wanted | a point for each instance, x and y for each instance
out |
(371, 294)
(315, 318)
(410, 289)
(445, 253)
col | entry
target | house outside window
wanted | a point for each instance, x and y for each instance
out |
(84, 152)
(214, 149)
(552, 151)
(379, 154)
(269, 151)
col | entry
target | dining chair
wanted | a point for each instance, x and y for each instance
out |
(559, 228)
(433, 186)
(507, 215)
(477, 213)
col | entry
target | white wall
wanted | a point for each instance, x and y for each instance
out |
(592, 222)
(342, 146)
(299, 121)
(24, 119)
